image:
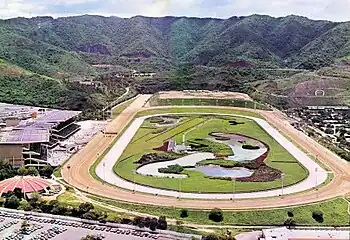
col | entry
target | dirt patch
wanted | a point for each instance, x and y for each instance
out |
(203, 94)
(263, 174)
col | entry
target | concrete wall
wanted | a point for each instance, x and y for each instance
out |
(11, 152)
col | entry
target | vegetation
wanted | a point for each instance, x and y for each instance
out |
(65, 45)
(219, 162)
(208, 102)
(216, 215)
(172, 169)
(302, 215)
(204, 145)
(6, 170)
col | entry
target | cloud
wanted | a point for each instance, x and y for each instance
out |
(336, 10)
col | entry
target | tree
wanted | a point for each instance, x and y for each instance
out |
(24, 205)
(184, 213)
(59, 210)
(162, 223)
(139, 221)
(318, 216)
(2, 201)
(18, 193)
(153, 224)
(290, 214)
(6, 170)
(25, 224)
(85, 207)
(46, 171)
(289, 223)
(46, 208)
(32, 171)
(216, 215)
(36, 201)
(12, 202)
(22, 171)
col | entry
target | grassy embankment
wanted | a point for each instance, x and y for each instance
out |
(334, 212)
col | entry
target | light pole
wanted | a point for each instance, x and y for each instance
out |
(133, 180)
(104, 172)
(316, 171)
(233, 189)
(282, 179)
(68, 167)
(179, 188)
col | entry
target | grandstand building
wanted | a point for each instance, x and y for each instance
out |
(26, 141)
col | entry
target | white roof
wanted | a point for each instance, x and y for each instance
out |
(288, 234)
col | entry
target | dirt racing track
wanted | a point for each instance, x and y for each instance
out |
(76, 171)
(317, 175)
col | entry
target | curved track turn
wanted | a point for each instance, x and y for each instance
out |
(76, 171)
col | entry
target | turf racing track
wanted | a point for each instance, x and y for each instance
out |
(317, 175)
(76, 171)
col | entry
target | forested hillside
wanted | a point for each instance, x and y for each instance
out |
(68, 45)
(40, 56)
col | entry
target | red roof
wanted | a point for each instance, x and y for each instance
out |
(27, 184)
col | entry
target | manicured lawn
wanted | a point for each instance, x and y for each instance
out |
(198, 110)
(69, 198)
(145, 140)
(219, 162)
(209, 102)
(334, 212)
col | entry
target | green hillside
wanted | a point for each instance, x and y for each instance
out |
(50, 46)
(226, 54)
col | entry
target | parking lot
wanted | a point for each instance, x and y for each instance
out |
(43, 228)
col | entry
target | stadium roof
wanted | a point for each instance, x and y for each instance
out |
(37, 130)
(53, 117)
(56, 116)
(26, 135)
(27, 184)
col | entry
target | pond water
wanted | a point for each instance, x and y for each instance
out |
(236, 142)
(216, 171)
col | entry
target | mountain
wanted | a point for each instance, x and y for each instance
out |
(68, 46)
(39, 57)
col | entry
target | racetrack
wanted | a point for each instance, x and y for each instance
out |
(78, 173)
(317, 175)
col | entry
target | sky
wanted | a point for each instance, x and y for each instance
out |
(334, 10)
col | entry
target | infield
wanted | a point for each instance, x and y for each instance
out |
(151, 136)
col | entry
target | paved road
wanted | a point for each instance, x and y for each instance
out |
(78, 175)
(317, 175)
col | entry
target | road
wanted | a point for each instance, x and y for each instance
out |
(76, 171)
(112, 104)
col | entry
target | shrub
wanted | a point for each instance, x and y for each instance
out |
(173, 169)
(290, 214)
(216, 215)
(139, 221)
(184, 213)
(318, 216)
(12, 202)
(162, 223)
(250, 147)
(289, 222)
(210, 237)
